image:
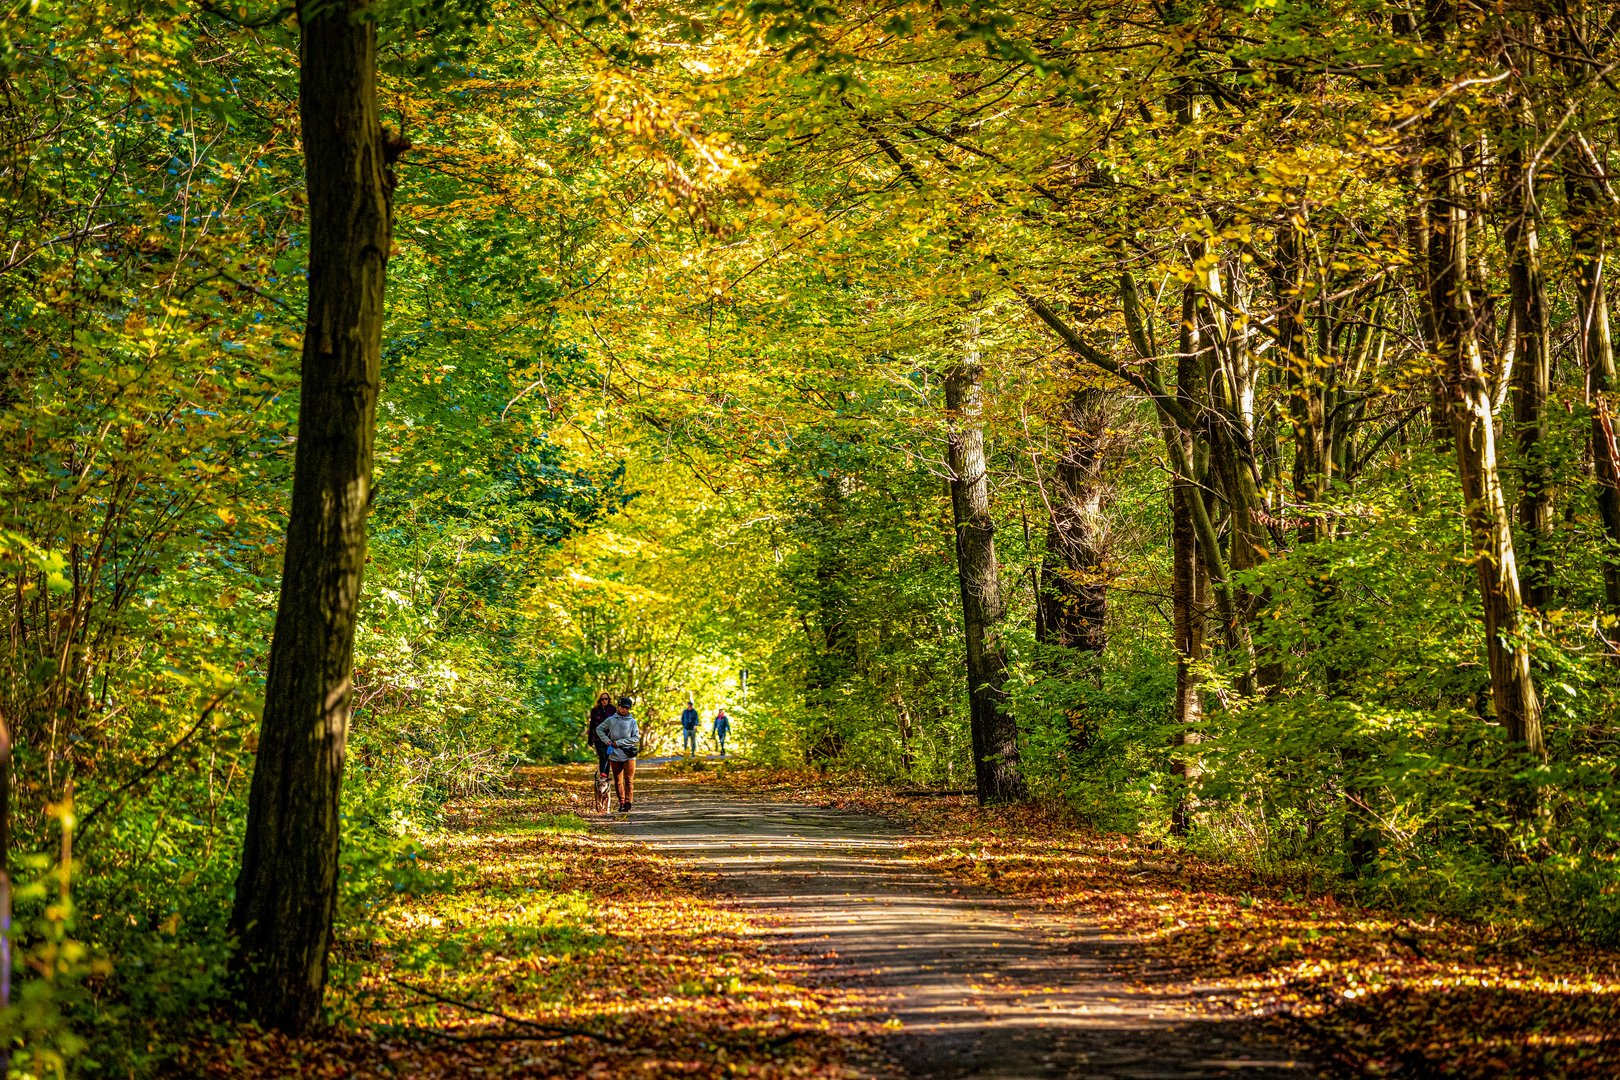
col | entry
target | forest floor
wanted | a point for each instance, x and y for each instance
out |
(747, 923)
(1354, 991)
(969, 982)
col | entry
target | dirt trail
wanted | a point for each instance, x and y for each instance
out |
(983, 985)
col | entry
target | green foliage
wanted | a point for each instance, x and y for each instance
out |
(1099, 734)
(673, 293)
(154, 240)
(1389, 709)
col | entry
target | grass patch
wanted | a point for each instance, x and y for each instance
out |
(566, 822)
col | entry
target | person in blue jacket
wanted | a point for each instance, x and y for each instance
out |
(689, 726)
(722, 728)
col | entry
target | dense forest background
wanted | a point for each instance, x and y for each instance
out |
(1201, 413)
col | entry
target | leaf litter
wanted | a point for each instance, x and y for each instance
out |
(561, 952)
(1358, 990)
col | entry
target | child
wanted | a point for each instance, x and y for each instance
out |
(620, 734)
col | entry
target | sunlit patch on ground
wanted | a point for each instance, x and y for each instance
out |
(562, 952)
(1365, 992)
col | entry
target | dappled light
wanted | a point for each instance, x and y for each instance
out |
(532, 958)
(1363, 989)
(938, 539)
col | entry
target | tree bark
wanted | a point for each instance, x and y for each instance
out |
(1307, 410)
(995, 735)
(1071, 602)
(1463, 389)
(1188, 580)
(1073, 597)
(1187, 605)
(1230, 426)
(1211, 386)
(286, 892)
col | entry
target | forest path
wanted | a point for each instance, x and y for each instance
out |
(982, 985)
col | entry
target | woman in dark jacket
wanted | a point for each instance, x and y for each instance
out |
(600, 712)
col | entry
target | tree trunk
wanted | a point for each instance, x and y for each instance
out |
(995, 736)
(1463, 389)
(1231, 430)
(1208, 381)
(286, 893)
(908, 761)
(1532, 374)
(1073, 596)
(1188, 589)
(1306, 400)
(1187, 622)
(1071, 602)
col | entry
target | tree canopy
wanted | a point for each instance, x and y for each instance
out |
(1200, 415)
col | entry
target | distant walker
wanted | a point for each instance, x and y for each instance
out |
(689, 728)
(722, 728)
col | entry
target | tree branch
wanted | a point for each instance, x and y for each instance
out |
(1082, 348)
(551, 1031)
(247, 24)
(208, 710)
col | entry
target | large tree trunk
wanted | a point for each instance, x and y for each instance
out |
(1071, 602)
(286, 893)
(995, 736)
(1463, 389)
(1073, 598)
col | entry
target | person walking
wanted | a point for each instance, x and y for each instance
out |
(722, 728)
(689, 725)
(600, 712)
(623, 739)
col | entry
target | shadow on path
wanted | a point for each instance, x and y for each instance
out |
(981, 984)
